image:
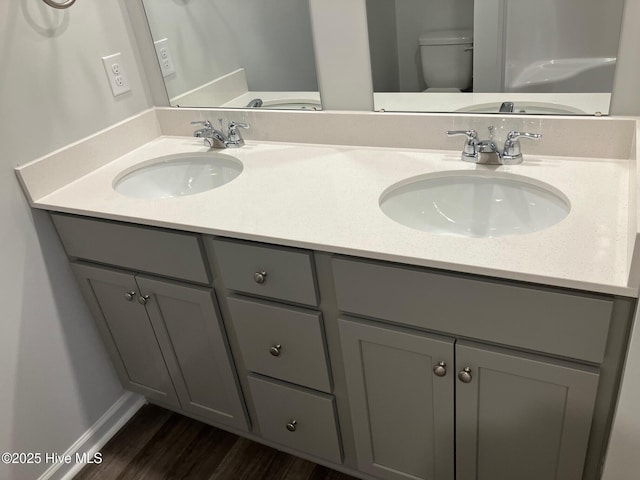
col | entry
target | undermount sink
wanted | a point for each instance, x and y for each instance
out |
(474, 204)
(178, 175)
(525, 107)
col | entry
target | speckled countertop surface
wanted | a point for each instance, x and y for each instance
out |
(326, 198)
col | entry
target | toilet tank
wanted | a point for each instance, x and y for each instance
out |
(447, 58)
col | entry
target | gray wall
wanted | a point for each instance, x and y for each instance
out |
(383, 43)
(626, 94)
(210, 38)
(55, 378)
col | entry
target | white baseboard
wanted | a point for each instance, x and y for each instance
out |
(95, 438)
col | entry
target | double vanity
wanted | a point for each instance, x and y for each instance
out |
(393, 313)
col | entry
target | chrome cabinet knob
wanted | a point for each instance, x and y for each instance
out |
(260, 277)
(275, 350)
(440, 369)
(129, 296)
(292, 425)
(465, 375)
(143, 299)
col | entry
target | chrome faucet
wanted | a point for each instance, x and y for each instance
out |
(487, 152)
(214, 138)
(506, 107)
(234, 139)
(255, 103)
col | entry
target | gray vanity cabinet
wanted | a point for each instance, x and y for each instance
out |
(520, 416)
(166, 341)
(398, 372)
(401, 397)
(127, 331)
(191, 335)
(516, 415)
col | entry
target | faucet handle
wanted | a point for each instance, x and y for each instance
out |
(468, 133)
(234, 138)
(470, 150)
(204, 123)
(512, 154)
(513, 135)
(235, 125)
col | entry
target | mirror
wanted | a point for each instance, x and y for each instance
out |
(494, 56)
(235, 53)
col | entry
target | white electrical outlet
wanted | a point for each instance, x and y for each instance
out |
(116, 75)
(164, 57)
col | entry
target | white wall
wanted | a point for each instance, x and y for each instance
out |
(342, 54)
(210, 38)
(55, 378)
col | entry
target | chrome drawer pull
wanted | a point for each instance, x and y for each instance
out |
(129, 296)
(440, 369)
(260, 277)
(291, 426)
(143, 299)
(465, 375)
(275, 350)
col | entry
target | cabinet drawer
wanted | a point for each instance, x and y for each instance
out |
(144, 249)
(297, 418)
(261, 328)
(287, 273)
(551, 321)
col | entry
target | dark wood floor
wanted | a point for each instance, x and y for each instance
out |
(157, 444)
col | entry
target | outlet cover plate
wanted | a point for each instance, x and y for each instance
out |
(167, 67)
(116, 74)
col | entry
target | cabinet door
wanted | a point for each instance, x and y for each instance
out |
(194, 344)
(520, 416)
(402, 412)
(127, 331)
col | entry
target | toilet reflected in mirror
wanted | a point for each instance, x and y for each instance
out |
(447, 60)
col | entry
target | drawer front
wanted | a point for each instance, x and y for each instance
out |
(554, 322)
(281, 342)
(286, 274)
(144, 249)
(297, 418)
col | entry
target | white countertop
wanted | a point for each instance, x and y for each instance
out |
(326, 198)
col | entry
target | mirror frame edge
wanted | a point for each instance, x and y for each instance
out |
(144, 43)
